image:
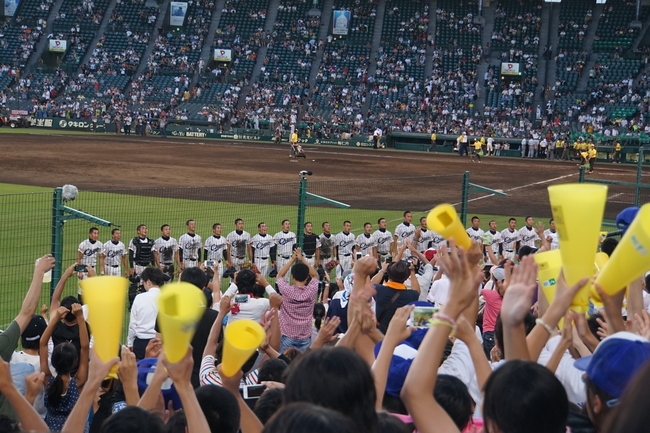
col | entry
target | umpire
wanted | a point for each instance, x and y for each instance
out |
(140, 256)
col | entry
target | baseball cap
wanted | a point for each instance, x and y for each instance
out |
(35, 328)
(499, 273)
(615, 361)
(625, 218)
(430, 253)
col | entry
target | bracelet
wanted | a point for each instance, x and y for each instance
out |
(327, 284)
(435, 322)
(446, 318)
(547, 327)
(381, 270)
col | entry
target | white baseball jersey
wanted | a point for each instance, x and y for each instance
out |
(90, 250)
(555, 241)
(327, 244)
(426, 236)
(191, 246)
(345, 243)
(437, 240)
(165, 249)
(404, 231)
(496, 240)
(215, 245)
(113, 252)
(365, 243)
(285, 242)
(528, 236)
(475, 234)
(238, 242)
(382, 239)
(262, 245)
(509, 239)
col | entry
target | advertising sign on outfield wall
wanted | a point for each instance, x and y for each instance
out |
(58, 45)
(222, 55)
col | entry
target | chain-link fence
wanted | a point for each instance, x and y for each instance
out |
(26, 229)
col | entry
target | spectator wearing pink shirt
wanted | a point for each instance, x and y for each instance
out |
(298, 303)
(493, 298)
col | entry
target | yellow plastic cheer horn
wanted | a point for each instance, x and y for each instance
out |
(631, 257)
(105, 297)
(549, 266)
(443, 219)
(578, 213)
(241, 339)
(599, 264)
(180, 307)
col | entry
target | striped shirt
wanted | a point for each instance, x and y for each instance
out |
(208, 374)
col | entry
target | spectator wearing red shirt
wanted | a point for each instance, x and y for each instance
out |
(298, 302)
(493, 298)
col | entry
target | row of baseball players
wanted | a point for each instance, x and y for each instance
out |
(262, 249)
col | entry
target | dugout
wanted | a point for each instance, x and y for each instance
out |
(444, 142)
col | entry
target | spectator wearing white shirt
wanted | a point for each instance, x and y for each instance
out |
(144, 311)
(250, 285)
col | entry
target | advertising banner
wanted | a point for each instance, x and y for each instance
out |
(10, 7)
(178, 12)
(58, 45)
(341, 22)
(222, 55)
(510, 69)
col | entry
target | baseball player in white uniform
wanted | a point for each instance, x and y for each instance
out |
(494, 246)
(89, 252)
(260, 251)
(189, 246)
(345, 246)
(527, 234)
(382, 239)
(327, 251)
(474, 231)
(364, 241)
(509, 239)
(422, 236)
(404, 231)
(237, 243)
(437, 240)
(214, 247)
(113, 254)
(285, 242)
(165, 251)
(550, 234)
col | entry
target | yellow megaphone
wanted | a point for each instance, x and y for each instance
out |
(444, 220)
(601, 259)
(105, 297)
(180, 307)
(549, 266)
(631, 257)
(240, 340)
(578, 213)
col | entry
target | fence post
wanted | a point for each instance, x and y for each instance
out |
(302, 206)
(57, 237)
(581, 175)
(639, 178)
(464, 198)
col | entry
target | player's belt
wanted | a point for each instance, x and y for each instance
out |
(191, 259)
(309, 257)
(242, 257)
(261, 258)
(141, 264)
(167, 264)
(509, 251)
(383, 254)
(286, 257)
(114, 266)
(346, 255)
(325, 257)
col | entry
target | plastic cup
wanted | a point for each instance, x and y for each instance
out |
(443, 219)
(180, 307)
(241, 339)
(631, 258)
(105, 297)
(578, 213)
